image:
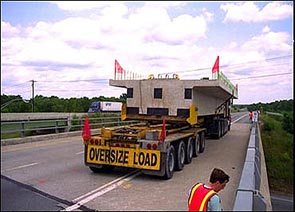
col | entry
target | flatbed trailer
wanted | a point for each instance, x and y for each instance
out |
(139, 146)
(175, 117)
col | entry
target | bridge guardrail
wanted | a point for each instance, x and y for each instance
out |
(60, 125)
(249, 196)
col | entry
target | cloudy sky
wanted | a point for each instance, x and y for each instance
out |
(68, 48)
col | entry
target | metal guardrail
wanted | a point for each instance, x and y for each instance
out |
(249, 197)
(60, 125)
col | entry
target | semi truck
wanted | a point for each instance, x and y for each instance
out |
(105, 107)
(174, 119)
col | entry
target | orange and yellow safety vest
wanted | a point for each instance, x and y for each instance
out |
(199, 197)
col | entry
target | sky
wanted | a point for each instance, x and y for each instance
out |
(68, 48)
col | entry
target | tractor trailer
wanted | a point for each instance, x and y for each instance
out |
(174, 118)
(100, 107)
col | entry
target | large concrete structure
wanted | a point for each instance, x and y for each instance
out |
(173, 97)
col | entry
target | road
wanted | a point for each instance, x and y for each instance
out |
(51, 175)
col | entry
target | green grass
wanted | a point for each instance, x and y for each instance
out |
(278, 152)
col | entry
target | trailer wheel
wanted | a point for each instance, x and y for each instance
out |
(170, 163)
(189, 150)
(197, 143)
(180, 155)
(202, 142)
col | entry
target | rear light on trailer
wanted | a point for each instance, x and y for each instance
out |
(91, 141)
(155, 146)
(149, 146)
(96, 141)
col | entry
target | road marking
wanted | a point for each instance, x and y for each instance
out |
(281, 199)
(102, 190)
(20, 167)
(35, 146)
(239, 118)
(78, 153)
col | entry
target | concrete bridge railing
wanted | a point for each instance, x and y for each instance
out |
(253, 191)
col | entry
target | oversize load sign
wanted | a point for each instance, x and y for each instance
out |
(135, 158)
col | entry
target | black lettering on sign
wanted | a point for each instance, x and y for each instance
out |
(141, 158)
(94, 153)
(101, 155)
(113, 156)
(107, 156)
(154, 159)
(126, 154)
(147, 160)
(120, 160)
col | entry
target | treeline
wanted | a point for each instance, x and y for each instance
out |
(276, 107)
(283, 107)
(16, 104)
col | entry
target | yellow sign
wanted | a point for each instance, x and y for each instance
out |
(135, 158)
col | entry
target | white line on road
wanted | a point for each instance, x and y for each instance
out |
(20, 167)
(281, 199)
(239, 118)
(78, 153)
(102, 190)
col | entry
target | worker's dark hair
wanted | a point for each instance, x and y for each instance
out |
(218, 175)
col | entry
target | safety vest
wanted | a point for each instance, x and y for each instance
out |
(199, 197)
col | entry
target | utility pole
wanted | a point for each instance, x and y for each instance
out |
(33, 81)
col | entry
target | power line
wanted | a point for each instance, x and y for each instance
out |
(261, 76)
(90, 80)
(236, 64)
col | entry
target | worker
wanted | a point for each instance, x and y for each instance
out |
(251, 116)
(204, 197)
(255, 117)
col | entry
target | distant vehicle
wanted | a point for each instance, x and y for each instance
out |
(98, 107)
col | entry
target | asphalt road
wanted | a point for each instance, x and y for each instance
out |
(51, 175)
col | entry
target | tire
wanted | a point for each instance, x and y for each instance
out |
(189, 150)
(202, 142)
(170, 163)
(180, 155)
(197, 144)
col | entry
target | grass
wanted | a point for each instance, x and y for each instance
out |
(278, 152)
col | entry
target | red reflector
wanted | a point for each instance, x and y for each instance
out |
(117, 144)
(128, 145)
(155, 146)
(122, 145)
(96, 141)
(149, 146)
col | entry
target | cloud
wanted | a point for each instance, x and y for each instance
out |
(146, 39)
(80, 5)
(250, 12)
(269, 42)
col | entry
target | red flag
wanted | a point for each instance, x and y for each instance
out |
(86, 134)
(118, 67)
(163, 132)
(216, 65)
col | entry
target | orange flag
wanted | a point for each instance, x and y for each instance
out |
(118, 67)
(163, 132)
(216, 65)
(86, 134)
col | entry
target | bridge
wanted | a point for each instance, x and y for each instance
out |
(248, 188)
